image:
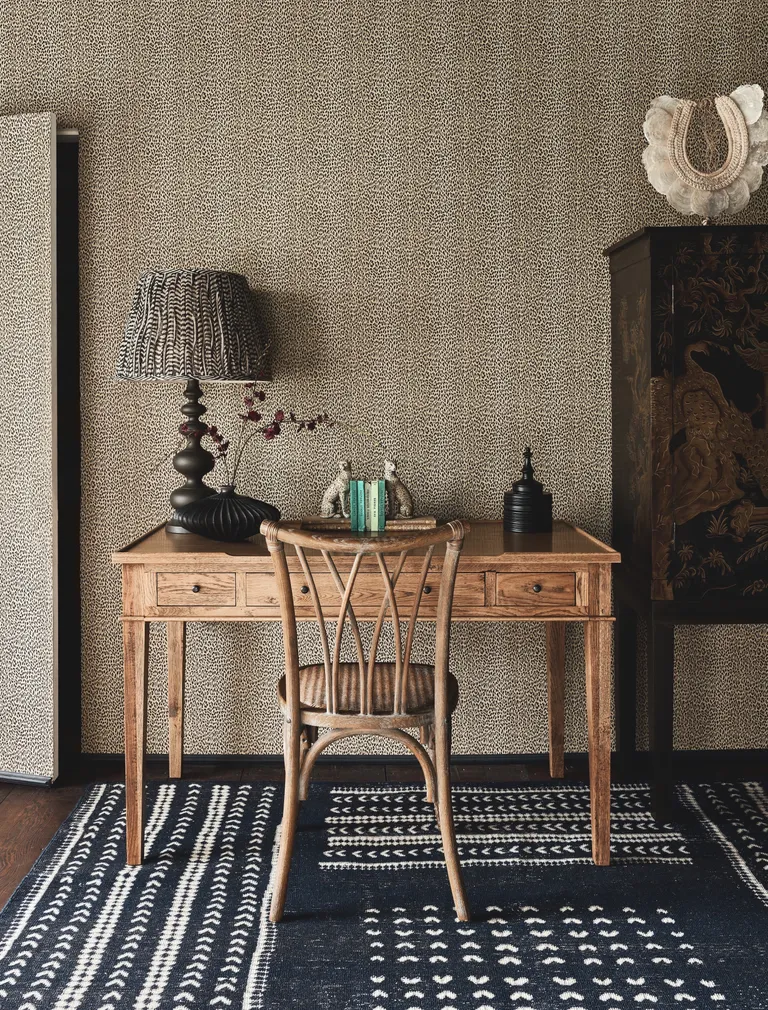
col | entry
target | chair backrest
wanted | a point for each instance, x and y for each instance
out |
(377, 546)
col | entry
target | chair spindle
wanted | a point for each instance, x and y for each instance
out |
(345, 611)
(314, 596)
(412, 624)
(377, 632)
(390, 592)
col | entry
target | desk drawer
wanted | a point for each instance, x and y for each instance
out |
(545, 589)
(196, 589)
(261, 591)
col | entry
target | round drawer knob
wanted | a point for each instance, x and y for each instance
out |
(427, 590)
(536, 587)
(305, 590)
(195, 589)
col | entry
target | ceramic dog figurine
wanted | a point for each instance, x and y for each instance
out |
(336, 499)
(399, 500)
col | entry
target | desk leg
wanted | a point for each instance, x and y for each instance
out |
(556, 696)
(177, 639)
(135, 656)
(597, 649)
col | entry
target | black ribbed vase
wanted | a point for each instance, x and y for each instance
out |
(226, 515)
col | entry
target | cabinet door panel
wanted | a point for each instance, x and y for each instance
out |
(719, 443)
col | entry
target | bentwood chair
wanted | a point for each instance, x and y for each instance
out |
(367, 696)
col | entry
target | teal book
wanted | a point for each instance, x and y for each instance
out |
(353, 520)
(375, 505)
(368, 520)
(382, 504)
(361, 504)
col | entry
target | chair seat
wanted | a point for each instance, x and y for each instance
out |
(420, 689)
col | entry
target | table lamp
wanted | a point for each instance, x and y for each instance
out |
(192, 324)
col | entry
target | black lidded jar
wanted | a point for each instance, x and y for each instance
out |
(527, 507)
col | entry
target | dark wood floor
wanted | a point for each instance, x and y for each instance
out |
(30, 815)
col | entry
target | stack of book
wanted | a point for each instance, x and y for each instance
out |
(367, 505)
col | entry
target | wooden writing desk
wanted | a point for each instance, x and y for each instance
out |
(555, 578)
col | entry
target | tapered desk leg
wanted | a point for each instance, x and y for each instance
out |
(661, 662)
(177, 638)
(556, 696)
(597, 649)
(626, 687)
(135, 656)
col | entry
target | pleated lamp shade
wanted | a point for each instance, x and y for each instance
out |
(193, 324)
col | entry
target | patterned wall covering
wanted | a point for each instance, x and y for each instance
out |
(421, 193)
(27, 508)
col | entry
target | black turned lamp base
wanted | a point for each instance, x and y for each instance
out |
(192, 460)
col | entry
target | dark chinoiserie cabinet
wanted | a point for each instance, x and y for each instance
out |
(689, 317)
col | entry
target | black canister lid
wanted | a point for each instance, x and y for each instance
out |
(528, 485)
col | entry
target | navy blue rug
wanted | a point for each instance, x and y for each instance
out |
(679, 920)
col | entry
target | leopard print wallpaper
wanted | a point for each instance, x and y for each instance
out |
(419, 192)
(27, 505)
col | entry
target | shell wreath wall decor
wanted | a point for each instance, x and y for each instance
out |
(726, 189)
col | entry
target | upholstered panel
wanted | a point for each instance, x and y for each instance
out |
(27, 432)
(421, 193)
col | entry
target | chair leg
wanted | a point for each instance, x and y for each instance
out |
(307, 738)
(292, 757)
(442, 767)
(426, 738)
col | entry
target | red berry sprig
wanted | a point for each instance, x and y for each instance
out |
(253, 423)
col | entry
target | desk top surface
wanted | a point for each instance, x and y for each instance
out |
(486, 540)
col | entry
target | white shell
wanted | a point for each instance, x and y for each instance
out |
(758, 140)
(749, 98)
(679, 195)
(758, 131)
(753, 176)
(708, 204)
(657, 125)
(661, 175)
(666, 102)
(738, 196)
(718, 203)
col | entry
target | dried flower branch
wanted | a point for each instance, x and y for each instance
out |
(254, 423)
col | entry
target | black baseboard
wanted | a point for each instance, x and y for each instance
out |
(697, 762)
(19, 779)
(680, 759)
(369, 759)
